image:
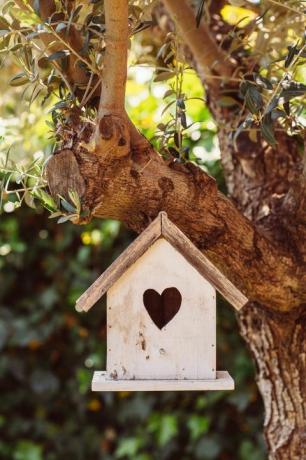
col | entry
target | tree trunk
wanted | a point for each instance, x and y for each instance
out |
(278, 345)
(260, 180)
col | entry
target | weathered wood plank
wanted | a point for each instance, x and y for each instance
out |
(223, 381)
(161, 227)
(198, 260)
(135, 250)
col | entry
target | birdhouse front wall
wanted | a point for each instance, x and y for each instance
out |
(161, 320)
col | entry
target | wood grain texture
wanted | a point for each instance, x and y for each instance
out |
(119, 266)
(161, 227)
(199, 261)
(184, 348)
(70, 177)
(223, 382)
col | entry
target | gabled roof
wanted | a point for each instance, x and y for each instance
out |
(161, 227)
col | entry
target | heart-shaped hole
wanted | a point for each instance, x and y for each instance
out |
(162, 308)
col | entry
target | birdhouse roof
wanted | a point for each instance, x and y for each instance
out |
(161, 227)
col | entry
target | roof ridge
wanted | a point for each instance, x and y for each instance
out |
(161, 226)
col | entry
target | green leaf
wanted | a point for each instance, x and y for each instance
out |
(163, 76)
(198, 425)
(27, 450)
(227, 101)
(19, 79)
(292, 90)
(247, 123)
(200, 12)
(168, 429)
(61, 26)
(292, 50)
(46, 200)
(74, 197)
(29, 200)
(267, 130)
(253, 99)
(169, 92)
(36, 7)
(67, 206)
(263, 82)
(128, 447)
(64, 219)
(58, 55)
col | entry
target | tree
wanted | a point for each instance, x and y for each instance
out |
(104, 167)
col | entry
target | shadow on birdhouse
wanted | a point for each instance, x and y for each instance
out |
(161, 315)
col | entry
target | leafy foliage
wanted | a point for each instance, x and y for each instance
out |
(47, 70)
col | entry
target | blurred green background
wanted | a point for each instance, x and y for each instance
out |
(49, 351)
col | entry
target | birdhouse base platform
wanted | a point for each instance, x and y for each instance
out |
(101, 382)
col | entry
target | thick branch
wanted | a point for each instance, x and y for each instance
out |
(209, 57)
(136, 186)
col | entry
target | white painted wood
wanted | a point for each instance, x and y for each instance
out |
(186, 347)
(223, 381)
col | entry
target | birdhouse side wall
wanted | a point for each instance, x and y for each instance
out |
(185, 348)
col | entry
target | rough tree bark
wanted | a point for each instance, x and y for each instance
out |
(118, 174)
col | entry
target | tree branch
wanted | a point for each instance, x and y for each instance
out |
(112, 129)
(134, 187)
(114, 75)
(127, 180)
(208, 55)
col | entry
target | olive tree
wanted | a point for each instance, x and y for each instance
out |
(102, 166)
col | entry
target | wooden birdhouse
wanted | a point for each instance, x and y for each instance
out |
(161, 315)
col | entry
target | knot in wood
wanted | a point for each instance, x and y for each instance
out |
(106, 127)
(166, 185)
(114, 136)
